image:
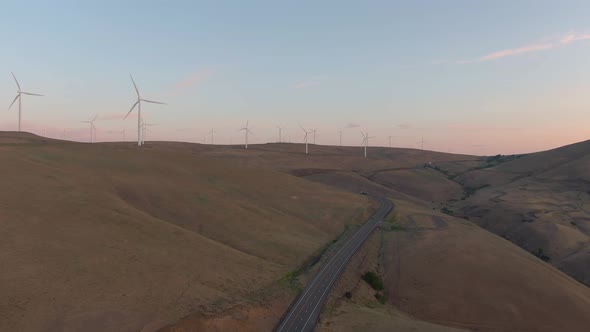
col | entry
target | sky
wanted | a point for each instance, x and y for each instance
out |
(477, 77)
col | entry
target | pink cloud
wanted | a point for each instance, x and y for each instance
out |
(569, 38)
(306, 84)
(195, 79)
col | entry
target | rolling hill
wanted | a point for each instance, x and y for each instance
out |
(175, 235)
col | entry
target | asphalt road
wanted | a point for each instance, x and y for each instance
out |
(304, 313)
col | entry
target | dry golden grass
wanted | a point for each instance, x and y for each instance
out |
(111, 237)
(539, 202)
(448, 271)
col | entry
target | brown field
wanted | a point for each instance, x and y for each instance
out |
(540, 202)
(196, 237)
(109, 237)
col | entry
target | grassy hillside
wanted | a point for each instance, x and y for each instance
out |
(111, 237)
(541, 202)
(442, 271)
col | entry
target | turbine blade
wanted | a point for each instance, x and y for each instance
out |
(31, 94)
(15, 98)
(153, 102)
(96, 116)
(16, 81)
(134, 85)
(86, 121)
(300, 126)
(132, 107)
(249, 131)
(247, 124)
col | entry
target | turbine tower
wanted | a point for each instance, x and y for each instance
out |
(92, 127)
(280, 133)
(246, 132)
(314, 131)
(421, 142)
(19, 94)
(305, 137)
(144, 129)
(212, 132)
(366, 141)
(138, 104)
(389, 138)
(340, 133)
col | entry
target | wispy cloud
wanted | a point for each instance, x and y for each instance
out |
(308, 83)
(181, 88)
(353, 125)
(567, 39)
(403, 126)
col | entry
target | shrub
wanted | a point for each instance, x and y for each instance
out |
(348, 295)
(373, 280)
(381, 298)
(540, 254)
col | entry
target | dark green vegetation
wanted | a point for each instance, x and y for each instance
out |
(374, 280)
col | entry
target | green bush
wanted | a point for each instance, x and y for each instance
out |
(540, 254)
(373, 280)
(381, 298)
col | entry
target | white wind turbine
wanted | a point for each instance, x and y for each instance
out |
(144, 129)
(19, 93)
(138, 104)
(314, 131)
(305, 137)
(280, 133)
(389, 138)
(366, 141)
(421, 142)
(212, 132)
(340, 133)
(246, 132)
(92, 128)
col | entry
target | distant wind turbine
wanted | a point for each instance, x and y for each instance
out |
(212, 132)
(280, 133)
(366, 141)
(389, 138)
(340, 134)
(246, 132)
(19, 93)
(305, 137)
(92, 127)
(314, 132)
(421, 142)
(138, 104)
(144, 128)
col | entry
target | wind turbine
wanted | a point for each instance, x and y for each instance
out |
(212, 132)
(144, 128)
(92, 127)
(280, 133)
(305, 137)
(19, 94)
(366, 141)
(314, 131)
(340, 133)
(389, 138)
(421, 142)
(138, 104)
(246, 132)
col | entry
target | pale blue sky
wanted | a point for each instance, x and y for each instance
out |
(431, 66)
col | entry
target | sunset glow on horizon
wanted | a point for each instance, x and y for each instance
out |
(475, 78)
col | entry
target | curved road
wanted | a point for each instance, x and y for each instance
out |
(304, 313)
